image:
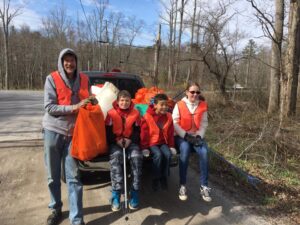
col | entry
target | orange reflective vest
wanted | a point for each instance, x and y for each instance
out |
(189, 121)
(154, 130)
(123, 128)
(64, 93)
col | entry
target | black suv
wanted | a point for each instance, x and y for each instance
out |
(123, 81)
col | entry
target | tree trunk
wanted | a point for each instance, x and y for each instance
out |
(156, 57)
(276, 58)
(248, 70)
(293, 104)
(170, 49)
(179, 41)
(192, 40)
(290, 76)
(6, 84)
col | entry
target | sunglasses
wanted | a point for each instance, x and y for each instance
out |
(195, 92)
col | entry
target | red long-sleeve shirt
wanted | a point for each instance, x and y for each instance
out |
(159, 119)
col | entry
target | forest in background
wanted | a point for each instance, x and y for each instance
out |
(256, 126)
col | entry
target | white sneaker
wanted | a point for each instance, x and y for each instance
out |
(182, 193)
(204, 191)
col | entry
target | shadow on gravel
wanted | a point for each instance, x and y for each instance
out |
(97, 177)
(164, 206)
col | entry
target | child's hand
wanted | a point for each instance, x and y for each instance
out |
(173, 151)
(123, 142)
(120, 142)
(127, 142)
(146, 153)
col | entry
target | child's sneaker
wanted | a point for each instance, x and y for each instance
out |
(182, 193)
(134, 199)
(204, 191)
(115, 201)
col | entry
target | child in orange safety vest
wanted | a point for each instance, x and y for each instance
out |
(157, 134)
(122, 129)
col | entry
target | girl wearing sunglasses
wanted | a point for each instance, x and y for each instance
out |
(190, 123)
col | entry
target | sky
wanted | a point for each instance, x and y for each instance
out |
(148, 10)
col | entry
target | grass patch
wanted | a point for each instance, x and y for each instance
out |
(269, 200)
(248, 138)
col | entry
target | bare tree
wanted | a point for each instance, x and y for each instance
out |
(276, 58)
(169, 16)
(156, 56)
(97, 25)
(290, 76)
(6, 16)
(181, 10)
(113, 33)
(275, 33)
(218, 51)
(132, 28)
(249, 53)
(192, 40)
(58, 25)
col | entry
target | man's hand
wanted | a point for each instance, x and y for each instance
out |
(91, 99)
(82, 103)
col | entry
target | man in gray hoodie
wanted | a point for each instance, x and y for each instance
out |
(66, 90)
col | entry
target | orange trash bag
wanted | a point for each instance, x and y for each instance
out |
(89, 138)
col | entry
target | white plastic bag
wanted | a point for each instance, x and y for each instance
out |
(105, 95)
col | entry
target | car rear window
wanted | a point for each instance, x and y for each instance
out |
(131, 85)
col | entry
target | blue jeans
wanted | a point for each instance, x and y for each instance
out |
(160, 160)
(56, 149)
(185, 149)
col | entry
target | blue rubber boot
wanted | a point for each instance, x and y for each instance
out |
(134, 199)
(115, 201)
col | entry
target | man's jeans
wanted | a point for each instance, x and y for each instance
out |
(160, 160)
(185, 149)
(56, 149)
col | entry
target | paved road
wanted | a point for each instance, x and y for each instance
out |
(20, 115)
(22, 179)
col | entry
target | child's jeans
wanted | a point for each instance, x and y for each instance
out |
(134, 154)
(161, 156)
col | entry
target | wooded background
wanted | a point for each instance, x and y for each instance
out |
(212, 53)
